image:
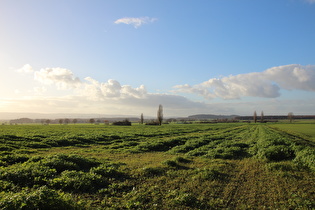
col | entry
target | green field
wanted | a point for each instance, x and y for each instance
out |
(173, 166)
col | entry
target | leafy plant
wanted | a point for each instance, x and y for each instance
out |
(27, 174)
(277, 153)
(78, 181)
(41, 198)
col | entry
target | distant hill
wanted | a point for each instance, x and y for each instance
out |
(16, 115)
(211, 117)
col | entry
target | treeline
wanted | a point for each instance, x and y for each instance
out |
(277, 117)
(68, 120)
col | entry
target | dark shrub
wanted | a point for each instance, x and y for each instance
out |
(69, 162)
(123, 123)
(153, 171)
(278, 153)
(6, 148)
(12, 159)
(79, 182)
(171, 163)
(182, 160)
(108, 171)
(27, 174)
(37, 145)
(152, 123)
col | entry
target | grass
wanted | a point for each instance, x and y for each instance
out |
(307, 129)
(194, 166)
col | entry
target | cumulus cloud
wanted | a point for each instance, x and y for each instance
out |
(63, 78)
(27, 68)
(111, 89)
(111, 97)
(265, 84)
(136, 22)
(89, 87)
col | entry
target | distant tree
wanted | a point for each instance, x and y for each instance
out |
(92, 121)
(67, 121)
(290, 116)
(74, 121)
(47, 122)
(160, 114)
(255, 116)
(262, 117)
(60, 121)
(124, 122)
(141, 118)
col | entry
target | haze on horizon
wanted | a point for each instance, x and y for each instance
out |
(118, 57)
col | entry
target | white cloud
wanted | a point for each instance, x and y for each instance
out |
(111, 89)
(265, 84)
(136, 22)
(27, 68)
(90, 88)
(63, 78)
(110, 97)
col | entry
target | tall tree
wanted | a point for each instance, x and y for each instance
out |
(262, 116)
(67, 121)
(160, 114)
(141, 118)
(255, 116)
(290, 116)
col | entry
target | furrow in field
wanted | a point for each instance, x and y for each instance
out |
(219, 144)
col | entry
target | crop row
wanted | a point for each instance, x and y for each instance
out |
(14, 138)
(226, 141)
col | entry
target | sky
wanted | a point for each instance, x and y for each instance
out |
(125, 57)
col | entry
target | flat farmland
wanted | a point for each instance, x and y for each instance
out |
(173, 166)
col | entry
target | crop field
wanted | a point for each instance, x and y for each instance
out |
(173, 166)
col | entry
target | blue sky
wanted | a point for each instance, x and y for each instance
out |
(127, 57)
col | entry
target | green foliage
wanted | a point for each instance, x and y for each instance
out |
(153, 171)
(282, 166)
(171, 163)
(195, 166)
(277, 153)
(209, 174)
(27, 174)
(6, 160)
(63, 162)
(185, 199)
(109, 171)
(6, 186)
(227, 153)
(180, 159)
(41, 198)
(67, 172)
(78, 181)
(306, 158)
